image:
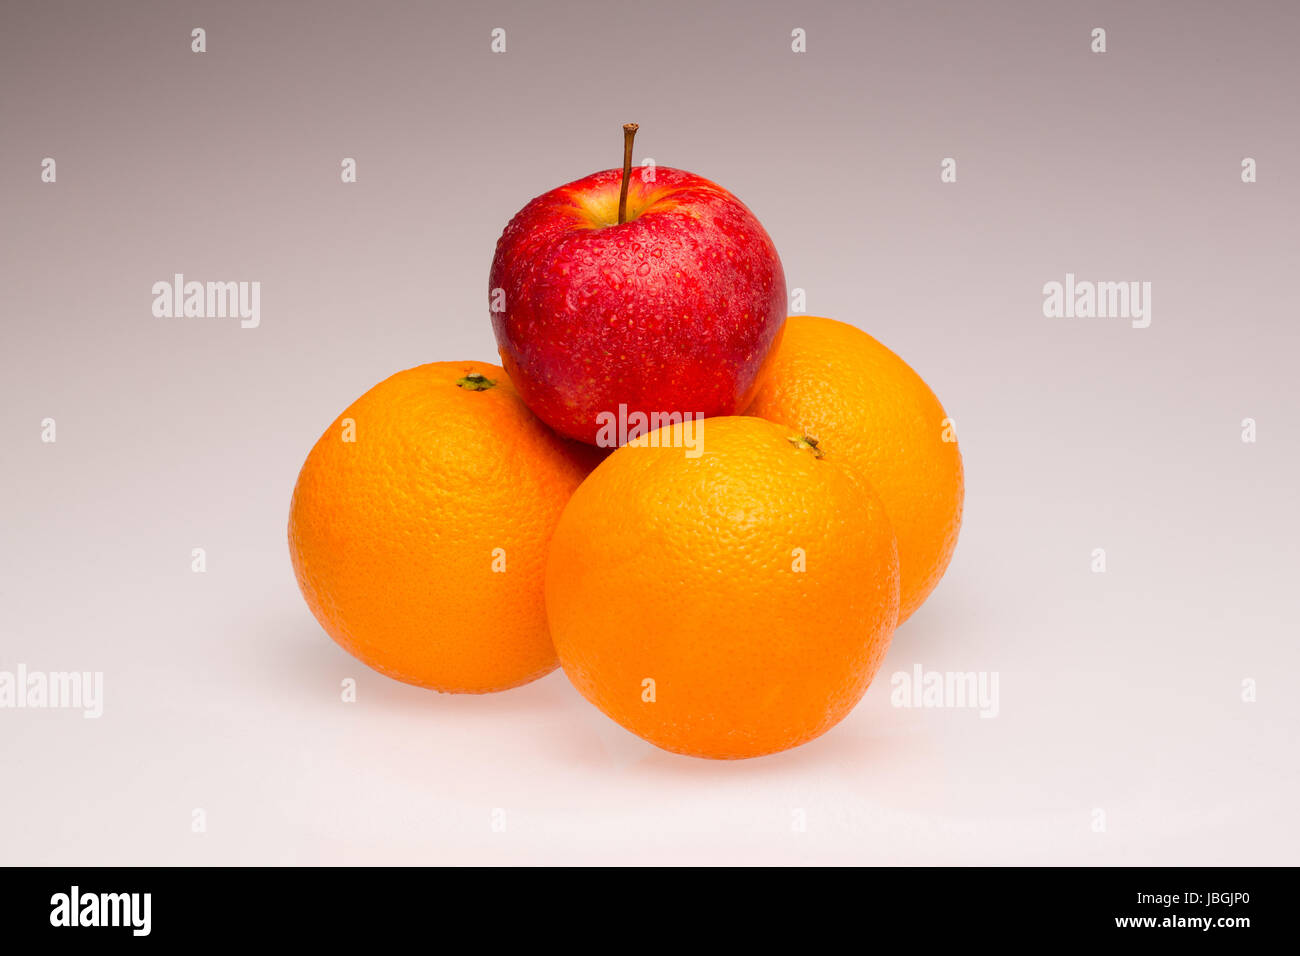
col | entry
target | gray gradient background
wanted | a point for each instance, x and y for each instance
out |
(1119, 691)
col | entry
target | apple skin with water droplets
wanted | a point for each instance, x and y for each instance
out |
(675, 311)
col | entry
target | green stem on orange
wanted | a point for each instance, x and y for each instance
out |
(806, 441)
(629, 134)
(475, 382)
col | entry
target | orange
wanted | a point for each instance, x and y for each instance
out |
(867, 408)
(730, 604)
(420, 545)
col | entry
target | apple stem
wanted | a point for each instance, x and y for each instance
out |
(629, 134)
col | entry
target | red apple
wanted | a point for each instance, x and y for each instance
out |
(673, 311)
